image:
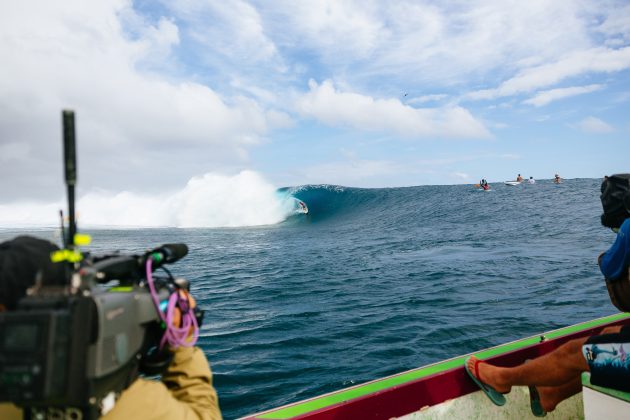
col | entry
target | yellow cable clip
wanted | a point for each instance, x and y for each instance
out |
(70, 255)
(66, 255)
(82, 239)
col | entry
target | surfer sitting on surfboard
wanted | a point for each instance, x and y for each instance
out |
(519, 178)
(483, 185)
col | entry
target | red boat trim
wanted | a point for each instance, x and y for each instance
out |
(428, 385)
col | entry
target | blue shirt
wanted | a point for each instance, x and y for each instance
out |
(616, 259)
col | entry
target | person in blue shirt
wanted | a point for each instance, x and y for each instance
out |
(615, 261)
(556, 375)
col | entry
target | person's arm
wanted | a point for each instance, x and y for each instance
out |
(184, 393)
(188, 376)
(613, 262)
(189, 380)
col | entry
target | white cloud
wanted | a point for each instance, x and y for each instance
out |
(14, 152)
(163, 36)
(412, 43)
(594, 60)
(548, 96)
(361, 112)
(415, 42)
(594, 125)
(339, 30)
(617, 25)
(230, 30)
(74, 54)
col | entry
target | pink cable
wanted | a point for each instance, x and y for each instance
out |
(174, 336)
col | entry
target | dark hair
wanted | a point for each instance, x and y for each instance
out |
(615, 200)
(21, 260)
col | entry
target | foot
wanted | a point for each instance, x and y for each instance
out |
(551, 396)
(534, 402)
(548, 398)
(488, 374)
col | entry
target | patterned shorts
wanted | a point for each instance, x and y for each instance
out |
(608, 361)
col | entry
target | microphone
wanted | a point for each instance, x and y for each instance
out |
(168, 253)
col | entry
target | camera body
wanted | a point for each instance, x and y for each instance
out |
(79, 349)
(44, 348)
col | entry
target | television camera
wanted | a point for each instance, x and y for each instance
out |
(69, 350)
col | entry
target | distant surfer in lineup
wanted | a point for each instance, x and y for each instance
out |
(518, 181)
(557, 179)
(484, 185)
(531, 180)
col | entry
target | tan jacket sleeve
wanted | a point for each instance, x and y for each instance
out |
(185, 392)
(9, 411)
(189, 379)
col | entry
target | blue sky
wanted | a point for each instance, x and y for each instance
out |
(355, 93)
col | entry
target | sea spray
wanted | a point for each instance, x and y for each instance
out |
(210, 200)
(30, 214)
(222, 201)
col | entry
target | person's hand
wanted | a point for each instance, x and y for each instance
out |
(186, 300)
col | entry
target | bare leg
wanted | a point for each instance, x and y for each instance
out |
(557, 368)
(551, 396)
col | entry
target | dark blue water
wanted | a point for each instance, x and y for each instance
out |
(377, 281)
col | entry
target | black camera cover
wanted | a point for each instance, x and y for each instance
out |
(615, 200)
(21, 260)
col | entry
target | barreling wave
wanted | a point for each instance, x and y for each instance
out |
(356, 205)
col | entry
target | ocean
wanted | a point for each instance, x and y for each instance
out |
(372, 282)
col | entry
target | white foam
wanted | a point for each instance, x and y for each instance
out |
(211, 200)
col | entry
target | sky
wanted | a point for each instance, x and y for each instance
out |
(286, 93)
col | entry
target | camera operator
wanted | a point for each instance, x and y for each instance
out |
(185, 390)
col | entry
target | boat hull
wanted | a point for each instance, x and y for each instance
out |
(416, 390)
